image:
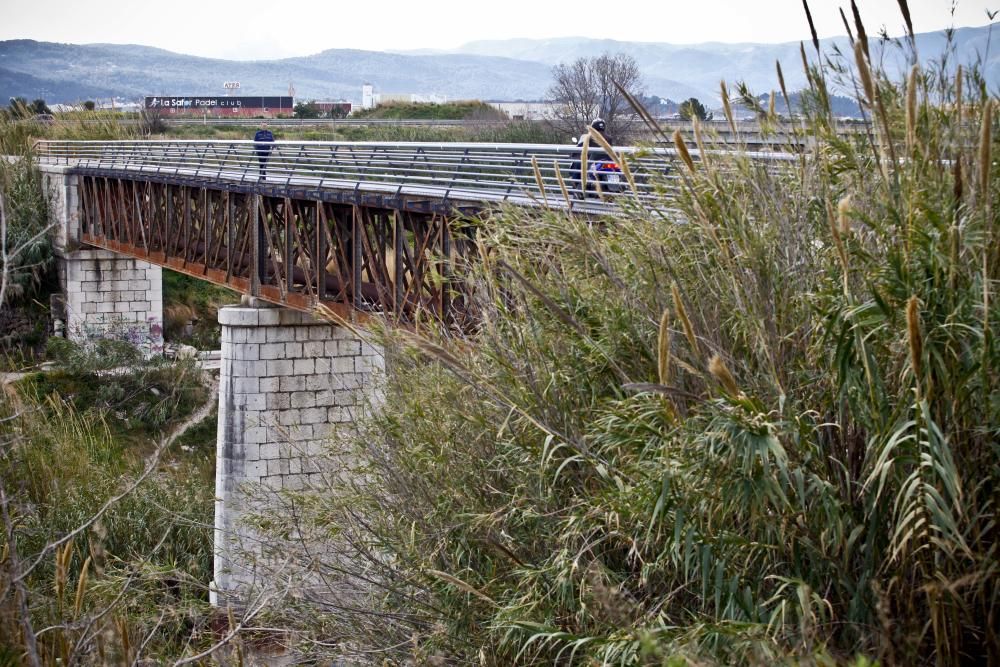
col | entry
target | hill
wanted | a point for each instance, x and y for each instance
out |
(67, 72)
(517, 69)
(682, 71)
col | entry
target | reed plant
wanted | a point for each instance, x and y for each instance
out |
(755, 425)
(17, 136)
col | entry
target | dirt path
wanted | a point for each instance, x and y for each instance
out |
(206, 408)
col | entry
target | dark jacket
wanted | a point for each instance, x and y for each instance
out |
(594, 152)
(262, 138)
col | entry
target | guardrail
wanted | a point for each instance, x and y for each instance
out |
(721, 126)
(526, 174)
(344, 122)
(304, 122)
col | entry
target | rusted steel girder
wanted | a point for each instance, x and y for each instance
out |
(392, 256)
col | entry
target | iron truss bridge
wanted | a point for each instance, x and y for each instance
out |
(369, 227)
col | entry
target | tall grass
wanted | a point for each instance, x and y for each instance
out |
(764, 429)
(136, 573)
(17, 136)
(113, 546)
(26, 209)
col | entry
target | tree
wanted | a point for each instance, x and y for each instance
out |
(89, 105)
(693, 108)
(151, 121)
(307, 110)
(39, 106)
(586, 89)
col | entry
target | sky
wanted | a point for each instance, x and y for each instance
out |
(264, 29)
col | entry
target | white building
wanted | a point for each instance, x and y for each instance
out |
(370, 99)
(526, 110)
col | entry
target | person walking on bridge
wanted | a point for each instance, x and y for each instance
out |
(263, 141)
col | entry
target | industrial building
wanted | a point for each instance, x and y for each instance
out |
(244, 106)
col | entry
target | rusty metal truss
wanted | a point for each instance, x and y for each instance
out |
(358, 226)
(384, 255)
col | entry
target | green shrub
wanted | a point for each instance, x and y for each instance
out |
(468, 109)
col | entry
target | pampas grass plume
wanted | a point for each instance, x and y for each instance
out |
(685, 320)
(717, 367)
(843, 213)
(663, 348)
(682, 150)
(911, 107)
(726, 107)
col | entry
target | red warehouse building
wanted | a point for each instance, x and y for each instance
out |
(223, 107)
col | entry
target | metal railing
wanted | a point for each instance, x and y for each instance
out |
(525, 174)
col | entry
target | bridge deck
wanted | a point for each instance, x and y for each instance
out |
(357, 226)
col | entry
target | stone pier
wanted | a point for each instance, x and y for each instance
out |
(287, 382)
(104, 295)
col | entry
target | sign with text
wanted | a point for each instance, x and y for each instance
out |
(219, 102)
(231, 85)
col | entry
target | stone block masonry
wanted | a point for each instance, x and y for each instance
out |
(104, 294)
(287, 383)
(107, 295)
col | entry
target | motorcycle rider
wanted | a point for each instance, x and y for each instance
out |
(576, 181)
(602, 127)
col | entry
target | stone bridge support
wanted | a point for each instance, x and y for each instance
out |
(104, 295)
(287, 383)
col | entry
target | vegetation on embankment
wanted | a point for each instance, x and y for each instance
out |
(758, 426)
(106, 548)
(18, 136)
(138, 399)
(458, 110)
(28, 270)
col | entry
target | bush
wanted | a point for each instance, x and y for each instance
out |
(109, 378)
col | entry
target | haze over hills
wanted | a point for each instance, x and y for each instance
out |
(516, 69)
(69, 72)
(702, 66)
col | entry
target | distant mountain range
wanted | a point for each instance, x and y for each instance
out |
(515, 69)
